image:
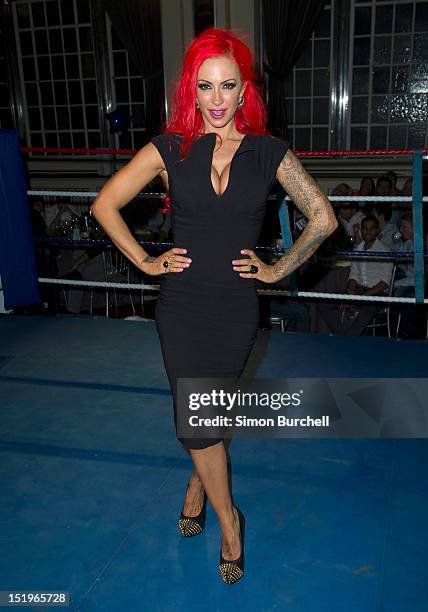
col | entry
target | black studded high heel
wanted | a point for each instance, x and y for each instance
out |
(232, 571)
(193, 525)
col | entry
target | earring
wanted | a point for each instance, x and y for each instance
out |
(197, 103)
(241, 101)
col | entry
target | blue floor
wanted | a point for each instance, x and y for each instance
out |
(93, 479)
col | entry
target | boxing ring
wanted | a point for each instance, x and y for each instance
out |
(416, 200)
(93, 478)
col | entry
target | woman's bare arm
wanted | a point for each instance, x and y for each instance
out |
(310, 200)
(120, 190)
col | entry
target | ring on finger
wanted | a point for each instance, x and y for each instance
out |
(167, 263)
(253, 269)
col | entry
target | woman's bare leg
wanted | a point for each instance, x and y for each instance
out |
(211, 467)
(194, 496)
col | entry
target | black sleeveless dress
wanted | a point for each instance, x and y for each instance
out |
(207, 316)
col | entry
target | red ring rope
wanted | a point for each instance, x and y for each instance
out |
(299, 153)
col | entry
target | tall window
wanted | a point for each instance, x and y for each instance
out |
(56, 56)
(57, 69)
(389, 105)
(387, 80)
(308, 90)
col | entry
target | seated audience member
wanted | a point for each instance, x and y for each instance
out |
(406, 271)
(367, 187)
(366, 277)
(407, 187)
(394, 189)
(342, 189)
(55, 213)
(383, 186)
(388, 231)
(350, 217)
(404, 285)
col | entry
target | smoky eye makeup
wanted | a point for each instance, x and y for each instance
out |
(228, 85)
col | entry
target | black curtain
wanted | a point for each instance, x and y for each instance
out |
(288, 25)
(138, 25)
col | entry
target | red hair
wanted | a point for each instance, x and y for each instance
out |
(186, 119)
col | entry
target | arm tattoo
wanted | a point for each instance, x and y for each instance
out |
(299, 185)
(147, 259)
(301, 250)
(310, 200)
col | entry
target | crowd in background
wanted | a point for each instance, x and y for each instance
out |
(377, 226)
(372, 227)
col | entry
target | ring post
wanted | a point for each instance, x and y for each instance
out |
(18, 266)
(418, 226)
(284, 219)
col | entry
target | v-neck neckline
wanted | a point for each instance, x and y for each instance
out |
(221, 195)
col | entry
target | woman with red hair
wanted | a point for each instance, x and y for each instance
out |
(218, 164)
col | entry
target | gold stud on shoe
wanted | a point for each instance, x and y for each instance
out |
(189, 527)
(193, 525)
(230, 572)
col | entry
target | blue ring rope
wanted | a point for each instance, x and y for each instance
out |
(89, 243)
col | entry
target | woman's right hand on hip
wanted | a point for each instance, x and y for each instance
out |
(173, 260)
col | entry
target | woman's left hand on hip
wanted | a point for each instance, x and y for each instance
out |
(253, 267)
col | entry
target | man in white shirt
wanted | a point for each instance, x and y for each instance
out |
(366, 277)
(388, 231)
(404, 285)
